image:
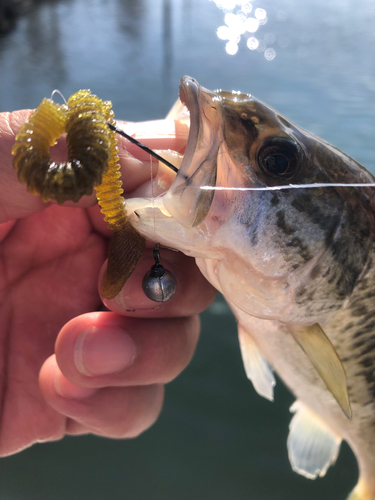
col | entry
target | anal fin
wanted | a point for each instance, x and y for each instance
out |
(312, 446)
(256, 367)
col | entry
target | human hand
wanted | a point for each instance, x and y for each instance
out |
(67, 366)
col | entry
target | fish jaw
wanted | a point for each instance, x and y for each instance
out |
(151, 219)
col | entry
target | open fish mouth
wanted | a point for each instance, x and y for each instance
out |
(188, 200)
(185, 200)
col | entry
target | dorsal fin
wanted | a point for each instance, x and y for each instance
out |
(312, 446)
(256, 367)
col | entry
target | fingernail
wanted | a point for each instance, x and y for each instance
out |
(101, 351)
(69, 390)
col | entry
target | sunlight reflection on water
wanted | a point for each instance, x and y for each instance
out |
(238, 22)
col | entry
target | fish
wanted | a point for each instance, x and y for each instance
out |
(296, 265)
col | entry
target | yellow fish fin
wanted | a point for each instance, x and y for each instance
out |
(256, 367)
(312, 446)
(318, 348)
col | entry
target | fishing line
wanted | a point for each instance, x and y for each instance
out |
(143, 146)
(288, 186)
(153, 198)
(158, 284)
(56, 91)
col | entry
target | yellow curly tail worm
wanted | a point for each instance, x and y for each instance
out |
(92, 162)
(88, 148)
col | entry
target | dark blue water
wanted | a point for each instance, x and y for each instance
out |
(216, 439)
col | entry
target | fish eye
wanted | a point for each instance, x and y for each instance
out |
(280, 157)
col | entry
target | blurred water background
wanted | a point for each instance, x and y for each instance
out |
(314, 62)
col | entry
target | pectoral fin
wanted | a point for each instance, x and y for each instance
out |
(318, 348)
(312, 446)
(256, 367)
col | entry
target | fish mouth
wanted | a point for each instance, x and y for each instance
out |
(186, 201)
(189, 96)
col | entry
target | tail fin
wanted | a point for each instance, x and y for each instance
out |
(362, 492)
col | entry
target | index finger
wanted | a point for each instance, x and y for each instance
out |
(136, 164)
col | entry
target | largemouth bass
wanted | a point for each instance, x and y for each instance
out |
(295, 265)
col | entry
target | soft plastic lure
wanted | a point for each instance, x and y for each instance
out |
(84, 119)
(92, 163)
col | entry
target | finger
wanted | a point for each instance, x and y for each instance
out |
(104, 349)
(118, 412)
(193, 292)
(136, 164)
(74, 428)
(156, 134)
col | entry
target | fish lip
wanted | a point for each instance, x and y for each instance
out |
(189, 96)
(189, 91)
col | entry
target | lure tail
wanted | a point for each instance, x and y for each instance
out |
(126, 249)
